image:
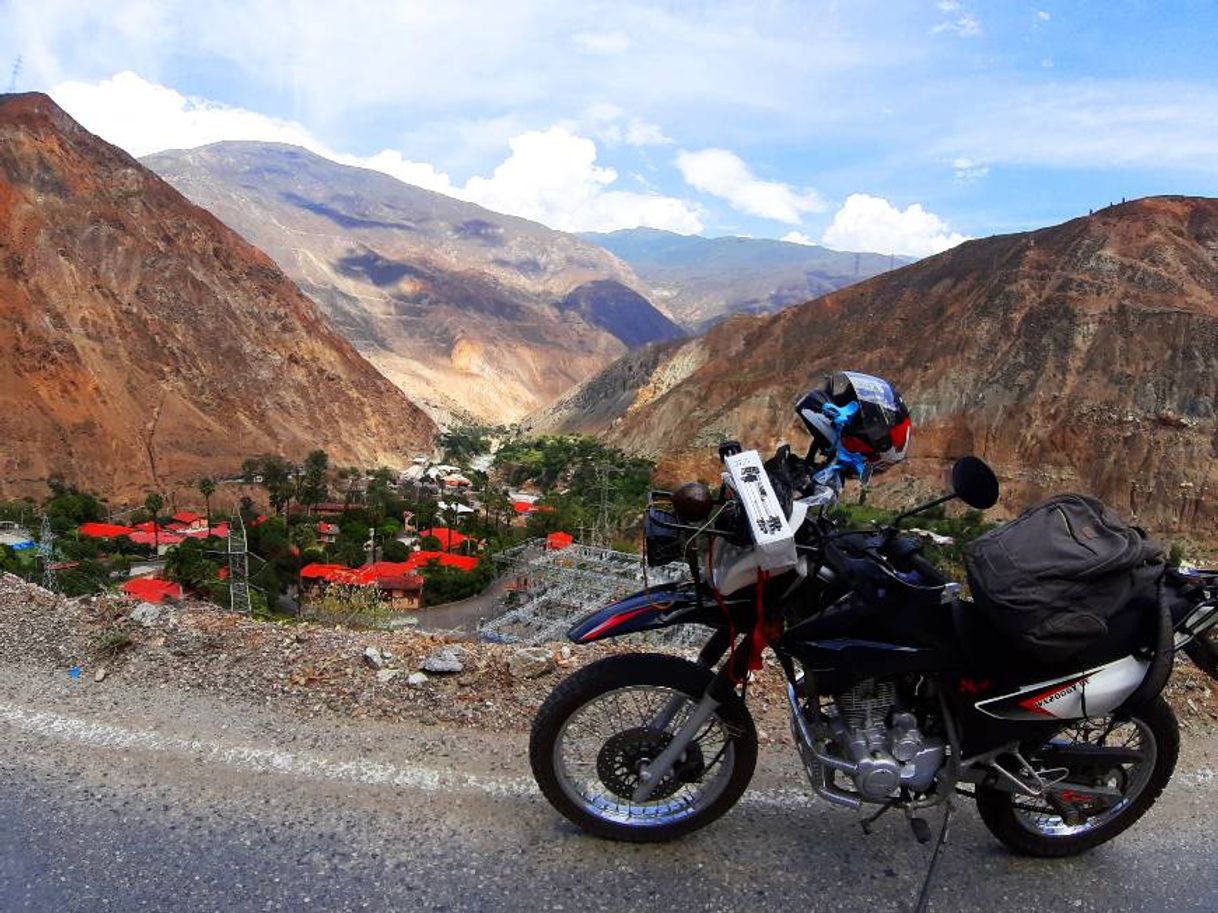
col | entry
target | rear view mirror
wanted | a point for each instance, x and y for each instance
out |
(974, 483)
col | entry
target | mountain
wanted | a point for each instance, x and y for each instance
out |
(144, 343)
(1078, 357)
(474, 314)
(701, 280)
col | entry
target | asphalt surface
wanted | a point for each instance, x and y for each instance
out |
(113, 798)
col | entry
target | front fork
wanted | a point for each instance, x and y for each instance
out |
(654, 773)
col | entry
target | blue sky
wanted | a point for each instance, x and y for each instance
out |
(890, 126)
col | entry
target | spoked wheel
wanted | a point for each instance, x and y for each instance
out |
(599, 728)
(1097, 794)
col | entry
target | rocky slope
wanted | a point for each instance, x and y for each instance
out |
(1078, 357)
(702, 280)
(144, 343)
(472, 313)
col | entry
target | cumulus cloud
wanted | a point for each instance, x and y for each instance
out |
(550, 175)
(725, 175)
(870, 223)
(1043, 15)
(797, 237)
(144, 117)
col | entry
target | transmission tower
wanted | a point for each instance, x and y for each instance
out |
(46, 551)
(238, 566)
(12, 83)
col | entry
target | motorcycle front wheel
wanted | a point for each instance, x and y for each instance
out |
(599, 727)
(1106, 796)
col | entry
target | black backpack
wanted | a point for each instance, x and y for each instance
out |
(1052, 578)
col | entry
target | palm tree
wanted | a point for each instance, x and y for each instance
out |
(207, 488)
(153, 504)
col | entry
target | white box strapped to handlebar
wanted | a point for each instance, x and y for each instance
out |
(772, 534)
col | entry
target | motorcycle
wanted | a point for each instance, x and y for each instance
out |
(900, 695)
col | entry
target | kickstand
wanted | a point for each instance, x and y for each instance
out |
(871, 819)
(924, 894)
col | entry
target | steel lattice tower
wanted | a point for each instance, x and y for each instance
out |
(238, 566)
(46, 551)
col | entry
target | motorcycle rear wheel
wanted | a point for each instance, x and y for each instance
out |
(596, 729)
(1203, 651)
(1034, 827)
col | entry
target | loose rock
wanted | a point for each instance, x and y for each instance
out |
(444, 660)
(387, 675)
(531, 662)
(146, 613)
(416, 680)
(374, 658)
(100, 675)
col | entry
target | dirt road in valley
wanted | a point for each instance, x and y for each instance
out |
(126, 796)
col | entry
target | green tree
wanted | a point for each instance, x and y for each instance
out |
(207, 488)
(313, 489)
(154, 503)
(190, 565)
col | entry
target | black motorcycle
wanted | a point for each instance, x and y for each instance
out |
(902, 694)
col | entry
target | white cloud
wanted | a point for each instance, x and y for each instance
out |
(968, 171)
(610, 125)
(1043, 16)
(550, 175)
(144, 117)
(724, 174)
(868, 223)
(797, 237)
(965, 25)
(1091, 125)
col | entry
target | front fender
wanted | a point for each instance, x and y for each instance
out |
(647, 610)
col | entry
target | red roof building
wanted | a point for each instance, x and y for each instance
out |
(461, 562)
(449, 538)
(105, 530)
(559, 540)
(189, 520)
(152, 589)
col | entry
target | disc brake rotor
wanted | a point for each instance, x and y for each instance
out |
(621, 759)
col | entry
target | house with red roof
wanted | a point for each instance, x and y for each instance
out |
(152, 589)
(327, 532)
(105, 530)
(186, 520)
(396, 581)
(559, 540)
(449, 538)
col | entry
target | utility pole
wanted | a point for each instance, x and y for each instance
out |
(46, 551)
(238, 566)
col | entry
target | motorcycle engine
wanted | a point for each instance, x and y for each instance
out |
(883, 740)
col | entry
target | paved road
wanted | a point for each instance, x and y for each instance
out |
(464, 615)
(127, 800)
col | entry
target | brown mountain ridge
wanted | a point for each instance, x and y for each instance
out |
(471, 312)
(144, 343)
(1078, 357)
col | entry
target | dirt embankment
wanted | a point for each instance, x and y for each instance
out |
(313, 670)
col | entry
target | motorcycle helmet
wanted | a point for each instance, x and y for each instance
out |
(858, 416)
